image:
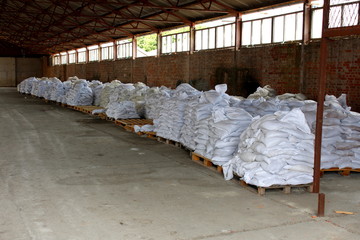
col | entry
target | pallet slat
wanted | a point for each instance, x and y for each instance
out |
(341, 171)
(260, 190)
(205, 162)
(285, 188)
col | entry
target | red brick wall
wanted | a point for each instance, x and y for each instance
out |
(276, 65)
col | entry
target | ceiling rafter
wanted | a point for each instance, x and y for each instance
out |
(45, 25)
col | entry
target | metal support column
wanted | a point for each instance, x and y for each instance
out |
(320, 110)
(115, 50)
(238, 31)
(159, 43)
(192, 38)
(134, 47)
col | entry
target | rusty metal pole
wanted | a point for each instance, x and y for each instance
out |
(321, 205)
(319, 114)
(320, 110)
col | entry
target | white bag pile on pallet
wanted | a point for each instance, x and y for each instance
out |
(26, 85)
(276, 149)
(52, 82)
(350, 146)
(171, 118)
(263, 92)
(226, 125)
(125, 93)
(153, 99)
(122, 110)
(340, 139)
(202, 115)
(107, 91)
(187, 133)
(35, 87)
(61, 94)
(96, 86)
(262, 106)
(43, 87)
(80, 94)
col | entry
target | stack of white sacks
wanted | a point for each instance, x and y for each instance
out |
(171, 115)
(122, 110)
(203, 114)
(153, 99)
(276, 149)
(265, 139)
(127, 101)
(341, 141)
(26, 85)
(96, 87)
(106, 92)
(80, 94)
(226, 125)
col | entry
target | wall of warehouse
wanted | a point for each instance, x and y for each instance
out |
(14, 70)
(285, 67)
(28, 67)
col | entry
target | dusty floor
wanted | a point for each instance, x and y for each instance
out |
(67, 176)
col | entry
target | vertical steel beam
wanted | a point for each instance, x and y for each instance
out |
(134, 47)
(115, 50)
(87, 55)
(321, 205)
(99, 52)
(306, 33)
(159, 43)
(320, 109)
(76, 57)
(238, 31)
(192, 38)
(306, 22)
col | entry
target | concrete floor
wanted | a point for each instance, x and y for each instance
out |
(67, 176)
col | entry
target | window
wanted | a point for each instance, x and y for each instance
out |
(56, 59)
(63, 58)
(316, 23)
(343, 13)
(81, 55)
(147, 45)
(107, 51)
(277, 25)
(72, 56)
(124, 48)
(93, 53)
(179, 42)
(215, 37)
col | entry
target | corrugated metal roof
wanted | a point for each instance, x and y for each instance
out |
(47, 26)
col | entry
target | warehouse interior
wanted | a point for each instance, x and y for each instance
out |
(78, 169)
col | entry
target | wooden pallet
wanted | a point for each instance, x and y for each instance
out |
(168, 141)
(135, 121)
(101, 116)
(341, 171)
(285, 188)
(151, 135)
(205, 162)
(110, 119)
(89, 109)
(77, 108)
(128, 124)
